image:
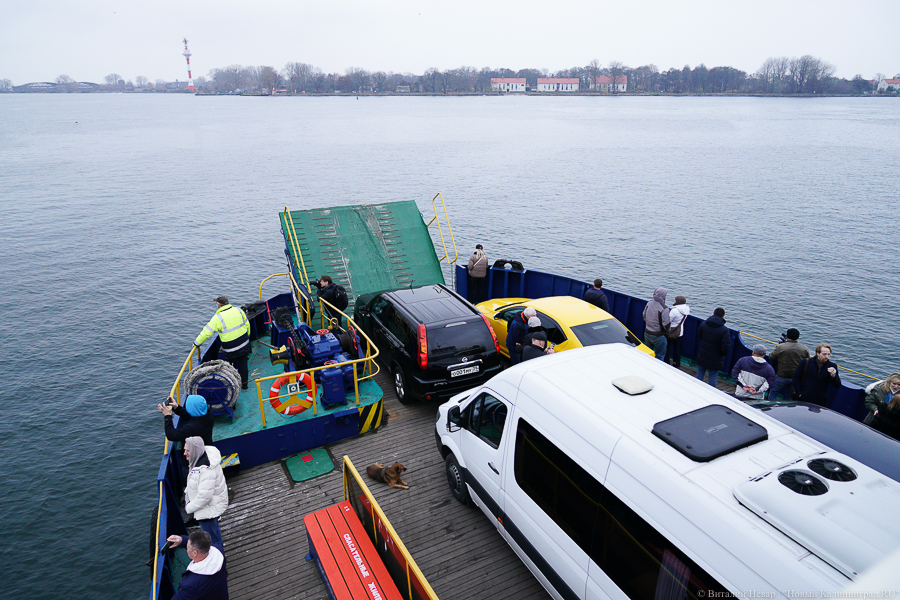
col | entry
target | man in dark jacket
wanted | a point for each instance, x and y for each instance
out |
(596, 296)
(518, 328)
(194, 419)
(713, 344)
(536, 347)
(205, 577)
(328, 291)
(814, 375)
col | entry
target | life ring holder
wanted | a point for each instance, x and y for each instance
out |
(279, 403)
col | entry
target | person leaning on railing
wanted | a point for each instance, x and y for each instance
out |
(205, 577)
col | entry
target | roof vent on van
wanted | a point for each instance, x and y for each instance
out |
(803, 483)
(831, 469)
(709, 432)
(633, 385)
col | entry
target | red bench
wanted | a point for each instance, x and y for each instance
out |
(348, 563)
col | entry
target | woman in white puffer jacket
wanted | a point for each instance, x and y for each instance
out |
(206, 494)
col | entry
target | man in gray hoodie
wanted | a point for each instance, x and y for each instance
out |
(657, 322)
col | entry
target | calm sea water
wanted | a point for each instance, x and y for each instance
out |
(122, 216)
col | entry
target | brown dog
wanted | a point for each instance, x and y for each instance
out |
(390, 475)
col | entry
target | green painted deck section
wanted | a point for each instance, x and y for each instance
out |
(247, 418)
(365, 248)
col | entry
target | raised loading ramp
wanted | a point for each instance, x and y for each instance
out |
(365, 248)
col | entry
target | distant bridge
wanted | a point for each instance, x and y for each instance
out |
(51, 87)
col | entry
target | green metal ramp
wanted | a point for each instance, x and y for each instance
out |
(365, 248)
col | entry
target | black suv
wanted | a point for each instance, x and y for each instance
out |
(434, 342)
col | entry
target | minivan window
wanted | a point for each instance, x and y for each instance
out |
(608, 331)
(459, 340)
(488, 418)
(638, 558)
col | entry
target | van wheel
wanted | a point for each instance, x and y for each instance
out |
(456, 480)
(400, 386)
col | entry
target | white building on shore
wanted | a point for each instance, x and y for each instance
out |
(508, 84)
(557, 85)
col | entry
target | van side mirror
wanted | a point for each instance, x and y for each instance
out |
(454, 418)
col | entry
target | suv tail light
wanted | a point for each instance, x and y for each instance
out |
(423, 348)
(493, 335)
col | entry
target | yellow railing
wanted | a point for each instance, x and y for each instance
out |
(304, 302)
(743, 333)
(367, 363)
(155, 590)
(175, 390)
(441, 229)
(351, 478)
(291, 235)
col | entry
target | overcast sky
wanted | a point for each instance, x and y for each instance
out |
(88, 39)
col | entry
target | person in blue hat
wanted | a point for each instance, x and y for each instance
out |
(194, 419)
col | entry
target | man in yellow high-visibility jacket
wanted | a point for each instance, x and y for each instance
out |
(233, 328)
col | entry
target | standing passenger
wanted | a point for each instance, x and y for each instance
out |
(205, 578)
(596, 296)
(657, 322)
(233, 328)
(713, 344)
(678, 315)
(534, 326)
(537, 347)
(785, 358)
(518, 327)
(334, 294)
(814, 376)
(205, 494)
(194, 418)
(477, 269)
(881, 392)
(754, 376)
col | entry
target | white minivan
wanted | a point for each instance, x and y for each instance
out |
(613, 475)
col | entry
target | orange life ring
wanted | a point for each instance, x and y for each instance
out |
(283, 405)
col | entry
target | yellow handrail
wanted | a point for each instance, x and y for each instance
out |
(304, 305)
(268, 278)
(156, 539)
(350, 471)
(743, 333)
(441, 230)
(292, 234)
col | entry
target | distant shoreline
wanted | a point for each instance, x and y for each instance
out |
(558, 94)
(475, 94)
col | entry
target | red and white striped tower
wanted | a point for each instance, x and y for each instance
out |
(187, 55)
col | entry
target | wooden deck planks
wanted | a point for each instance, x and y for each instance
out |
(458, 549)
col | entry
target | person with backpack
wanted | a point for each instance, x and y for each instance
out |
(334, 294)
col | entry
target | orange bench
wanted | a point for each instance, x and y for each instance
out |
(348, 562)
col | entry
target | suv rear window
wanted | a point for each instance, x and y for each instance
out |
(608, 331)
(458, 339)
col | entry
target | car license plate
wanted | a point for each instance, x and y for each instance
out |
(466, 371)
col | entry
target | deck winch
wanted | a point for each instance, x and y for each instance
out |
(300, 347)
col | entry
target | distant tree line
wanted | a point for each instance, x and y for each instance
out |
(781, 75)
(777, 75)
